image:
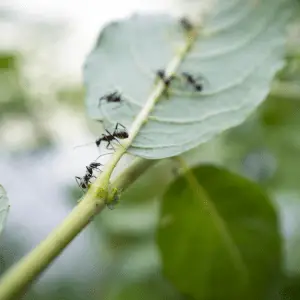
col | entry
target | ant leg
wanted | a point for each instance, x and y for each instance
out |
(116, 106)
(110, 144)
(79, 178)
(96, 168)
(102, 155)
(100, 101)
(113, 138)
(119, 124)
(117, 128)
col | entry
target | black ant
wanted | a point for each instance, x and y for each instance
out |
(186, 24)
(162, 75)
(192, 81)
(93, 166)
(113, 97)
(83, 182)
(109, 137)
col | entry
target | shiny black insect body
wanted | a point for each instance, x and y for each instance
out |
(110, 137)
(186, 24)
(83, 182)
(161, 74)
(113, 97)
(190, 79)
(93, 166)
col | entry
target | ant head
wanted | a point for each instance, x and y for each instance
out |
(199, 87)
(160, 73)
(126, 135)
(98, 141)
(186, 24)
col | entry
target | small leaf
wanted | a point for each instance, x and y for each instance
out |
(219, 236)
(240, 49)
(4, 207)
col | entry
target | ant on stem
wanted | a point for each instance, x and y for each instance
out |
(161, 74)
(110, 137)
(93, 166)
(83, 182)
(186, 24)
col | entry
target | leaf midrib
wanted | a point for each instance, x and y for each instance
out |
(232, 248)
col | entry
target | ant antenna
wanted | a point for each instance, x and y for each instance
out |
(83, 145)
(102, 155)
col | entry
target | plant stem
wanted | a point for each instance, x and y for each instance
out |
(132, 173)
(27, 269)
(22, 274)
(285, 90)
(19, 277)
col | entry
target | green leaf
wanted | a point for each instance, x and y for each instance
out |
(219, 237)
(4, 207)
(291, 288)
(240, 49)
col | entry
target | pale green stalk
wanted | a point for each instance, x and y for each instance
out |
(14, 282)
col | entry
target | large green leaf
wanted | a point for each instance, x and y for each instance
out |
(239, 51)
(219, 237)
(4, 207)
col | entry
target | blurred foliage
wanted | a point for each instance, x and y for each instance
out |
(12, 99)
(16, 102)
(72, 95)
(219, 230)
(264, 149)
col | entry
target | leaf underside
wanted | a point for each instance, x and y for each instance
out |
(219, 237)
(4, 208)
(239, 50)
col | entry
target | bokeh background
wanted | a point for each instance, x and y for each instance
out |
(42, 118)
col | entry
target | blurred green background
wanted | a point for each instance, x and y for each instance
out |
(42, 118)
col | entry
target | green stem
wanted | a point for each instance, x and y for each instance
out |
(285, 90)
(23, 273)
(19, 277)
(27, 269)
(129, 175)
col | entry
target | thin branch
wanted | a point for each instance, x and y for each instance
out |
(18, 278)
(30, 267)
(286, 90)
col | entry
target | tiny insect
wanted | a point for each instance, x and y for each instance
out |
(186, 24)
(110, 137)
(166, 79)
(93, 166)
(113, 97)
(83, 182)
(190, 79)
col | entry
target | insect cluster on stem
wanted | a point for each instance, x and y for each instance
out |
(120, 131)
